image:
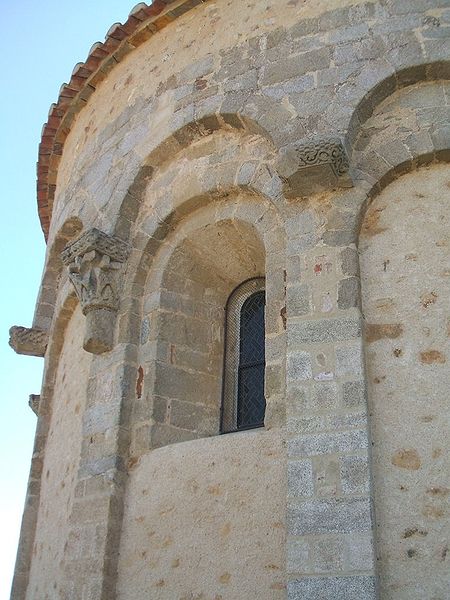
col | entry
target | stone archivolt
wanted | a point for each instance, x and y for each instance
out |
(94, 263)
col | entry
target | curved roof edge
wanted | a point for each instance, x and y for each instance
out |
(143, 22)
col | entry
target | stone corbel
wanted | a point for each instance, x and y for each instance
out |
(95, 262)
(28, 340)
(33, 403)
(313, 165)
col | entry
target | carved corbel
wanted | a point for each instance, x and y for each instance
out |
(312, 166)
(33, 403)
(28, 340)
(94, 262)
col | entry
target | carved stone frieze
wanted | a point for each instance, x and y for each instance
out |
(94, 262)
(28, 341)
(314, 165)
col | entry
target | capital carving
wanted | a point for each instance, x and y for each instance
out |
(94, 262)
(314, 165)
(28, 341)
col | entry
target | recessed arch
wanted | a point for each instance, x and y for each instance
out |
(186, 284)
(167, 151)
(48, 292)
(401, 78)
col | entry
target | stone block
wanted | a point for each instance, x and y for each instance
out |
(300, 478)
(294, 66)
(326, 476)
(327, 553)
(328, 443)
(348, 293)
(354, 474)
(100, 417)
(297, 555)
(299, 366)
(354, 394)
(320, 423)
(337, 515)
(359, 555)
(350, 262)
(324, 330)
(194, 417)
(357, 587)
(324, 396)
(349, 361)
(298, 300)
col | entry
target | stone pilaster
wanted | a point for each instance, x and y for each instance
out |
(329, 518)
(94, 262)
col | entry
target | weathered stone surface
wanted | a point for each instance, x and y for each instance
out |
(29, 341)
(333, 588)
(33, 403)
(94, 262)
(220, 161)
(329, 516)
(313, 165)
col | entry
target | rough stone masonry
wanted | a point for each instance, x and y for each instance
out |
(204, 144)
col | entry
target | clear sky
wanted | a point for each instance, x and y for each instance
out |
(40, 43)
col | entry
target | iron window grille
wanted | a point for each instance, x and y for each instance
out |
(243, 400)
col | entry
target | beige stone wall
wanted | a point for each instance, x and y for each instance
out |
(206, 519)
(231, 124)
(153, 90)
(60, 469)
(405, 274)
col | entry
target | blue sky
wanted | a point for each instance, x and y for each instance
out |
(40, 44)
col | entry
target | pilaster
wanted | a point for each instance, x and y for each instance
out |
(329, 516)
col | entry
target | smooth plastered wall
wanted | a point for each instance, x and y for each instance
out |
(206, 519)
(406, 289)
(60, 469)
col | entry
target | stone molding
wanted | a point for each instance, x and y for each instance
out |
(28, 340)
(314, 165)
(94, 262)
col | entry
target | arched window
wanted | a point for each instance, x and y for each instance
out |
(243, 401)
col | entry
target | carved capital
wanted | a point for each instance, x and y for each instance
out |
(314, 165)
(94, 262)
(27, 340)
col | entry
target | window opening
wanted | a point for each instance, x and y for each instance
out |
(243, 401)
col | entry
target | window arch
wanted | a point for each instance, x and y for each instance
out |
(243, 400)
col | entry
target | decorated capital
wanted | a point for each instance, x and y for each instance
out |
(95, 262)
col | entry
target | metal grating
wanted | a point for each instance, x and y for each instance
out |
(251, 403)
(243, 402)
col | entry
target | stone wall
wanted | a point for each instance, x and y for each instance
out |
(405, 281)
(206, 519)
(60, 467)
(253, 140)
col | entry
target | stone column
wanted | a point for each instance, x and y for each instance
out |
(94, 261)
(329, 516)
